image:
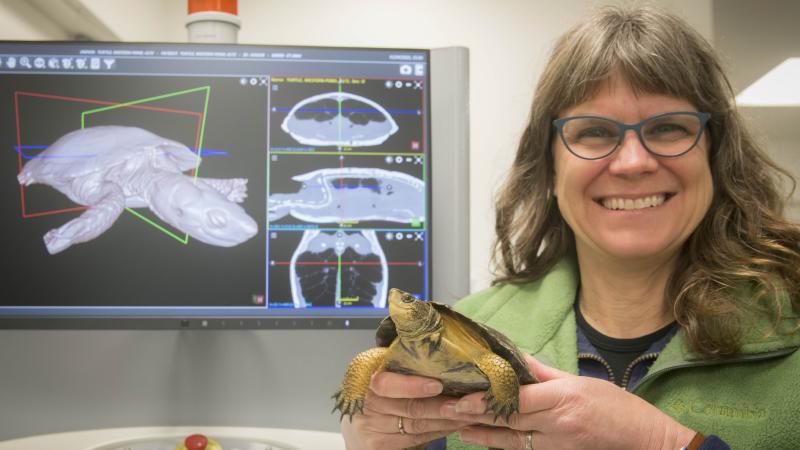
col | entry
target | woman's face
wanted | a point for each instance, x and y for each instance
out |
(589, 191)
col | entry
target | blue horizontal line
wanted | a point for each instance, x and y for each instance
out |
(206, 152)
(392, 111)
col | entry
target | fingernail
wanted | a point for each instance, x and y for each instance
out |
(449, 409)
(463, 407)
(432, 387)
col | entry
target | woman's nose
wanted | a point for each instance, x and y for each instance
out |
(632, 159)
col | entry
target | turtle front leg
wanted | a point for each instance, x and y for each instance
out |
(234, 189)
(106, 204)
(502, 398)
(350, 397)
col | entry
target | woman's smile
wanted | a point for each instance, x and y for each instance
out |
(632, 202)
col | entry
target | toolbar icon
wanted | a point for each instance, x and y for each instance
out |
(109, 62)
(94, 63)
(11, 62)
(66, 63)
(80, 63)
(53, 63)
(25, 62)
(38, 62)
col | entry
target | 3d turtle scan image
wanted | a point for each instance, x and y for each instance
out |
(110, 168)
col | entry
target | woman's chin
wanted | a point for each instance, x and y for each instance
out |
(635, 248)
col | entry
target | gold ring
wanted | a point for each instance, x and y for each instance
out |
(400, 425)
(529, 440)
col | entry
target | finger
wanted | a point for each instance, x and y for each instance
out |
(540, 397)
(395, 385)
(369, 439)
(498, 437)
(418, 408)
(543, 372)
(472, 408)
(533, 398)
(391, 424)
(536, 403)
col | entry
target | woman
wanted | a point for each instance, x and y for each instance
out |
(641, 245)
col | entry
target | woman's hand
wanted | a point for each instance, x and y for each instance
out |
(564, 411)
(395, 399)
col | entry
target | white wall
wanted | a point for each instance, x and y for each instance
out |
(21, 21)
(771, 35)
(508, 41)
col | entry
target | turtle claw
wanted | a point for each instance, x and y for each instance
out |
(348, 406)
(500, 407)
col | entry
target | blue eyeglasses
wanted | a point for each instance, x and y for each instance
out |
(671, 134)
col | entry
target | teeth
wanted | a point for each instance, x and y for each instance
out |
(639, 203)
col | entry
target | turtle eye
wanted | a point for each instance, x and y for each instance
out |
(409, 298)
(217, 218)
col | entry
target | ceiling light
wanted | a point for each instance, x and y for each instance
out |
(779, 87)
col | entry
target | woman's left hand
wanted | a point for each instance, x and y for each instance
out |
(565, 411)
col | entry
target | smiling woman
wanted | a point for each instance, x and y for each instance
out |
(630, 66)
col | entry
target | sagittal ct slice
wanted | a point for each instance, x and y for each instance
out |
(339, 268)
(351, 193)
(339, 119)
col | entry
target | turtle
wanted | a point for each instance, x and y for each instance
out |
(431, 339)
(111, 167)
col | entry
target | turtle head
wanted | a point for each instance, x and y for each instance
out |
(202, 212)
(412, 317)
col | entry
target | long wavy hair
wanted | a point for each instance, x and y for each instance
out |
(743, 244)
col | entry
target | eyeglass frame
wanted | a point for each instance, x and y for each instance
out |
(637, 127)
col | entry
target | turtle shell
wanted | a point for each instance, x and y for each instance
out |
(497, 341)
(96, 149)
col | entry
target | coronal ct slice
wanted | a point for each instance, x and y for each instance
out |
(134, 168)
(352, 193)
(339, 119)
(339, 268)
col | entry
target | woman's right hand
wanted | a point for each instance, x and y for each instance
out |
(396, 400)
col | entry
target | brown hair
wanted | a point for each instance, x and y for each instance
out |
(743, 242)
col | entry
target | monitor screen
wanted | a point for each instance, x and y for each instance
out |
(211, 186)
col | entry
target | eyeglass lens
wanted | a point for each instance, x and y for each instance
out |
(667, 135)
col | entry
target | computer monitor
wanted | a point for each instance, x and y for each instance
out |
(212, 186)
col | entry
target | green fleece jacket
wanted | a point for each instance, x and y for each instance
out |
(751, 401)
